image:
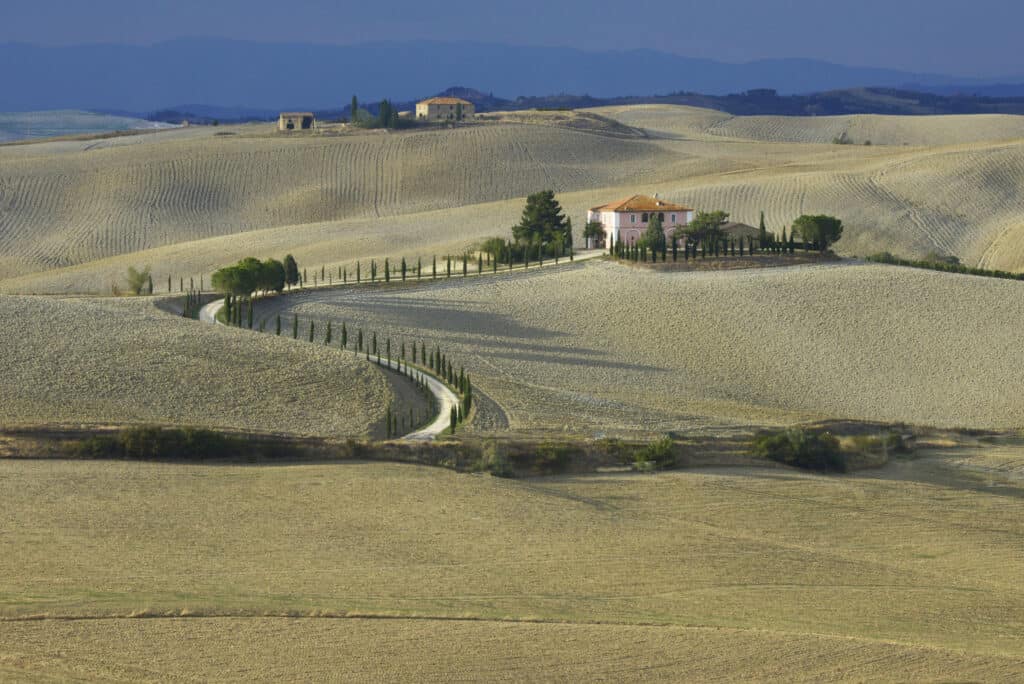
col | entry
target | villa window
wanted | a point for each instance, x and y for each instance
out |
(673, 218)
(632, 218)
(644, 219)
(661, 217)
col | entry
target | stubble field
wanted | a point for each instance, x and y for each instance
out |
(74, 215)
(82, 361)
(604, 348)
(727, 574)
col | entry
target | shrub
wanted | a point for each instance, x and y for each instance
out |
(137, 280)
(494, 461)
(155, 443)
(658, 455)
(803, 449)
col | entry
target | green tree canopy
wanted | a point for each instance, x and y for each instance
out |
(654, 236)
(250, 275)
(137, 280)
(594, 229)
(542, 221)
(821, 230)
(706, 226)
(291, 271)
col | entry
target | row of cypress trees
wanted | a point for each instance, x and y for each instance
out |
(433, 360)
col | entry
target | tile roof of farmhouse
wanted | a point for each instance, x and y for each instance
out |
(642, 203)
(444, 101)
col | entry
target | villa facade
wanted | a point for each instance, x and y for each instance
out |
(444, 109)
(628, 219)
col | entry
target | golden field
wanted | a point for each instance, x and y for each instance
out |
(96, 361)
(128, 570)
(732, 573)
(75, 214)
(604, 348)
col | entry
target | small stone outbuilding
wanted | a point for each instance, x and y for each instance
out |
(296, 121)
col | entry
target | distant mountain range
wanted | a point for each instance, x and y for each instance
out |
(254, 78)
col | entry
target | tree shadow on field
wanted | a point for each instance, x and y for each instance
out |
(575, 357)
(447, 316)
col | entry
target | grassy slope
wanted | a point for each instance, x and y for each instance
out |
(603, 347)
(783, 572)
(68, 204)
(122, 361)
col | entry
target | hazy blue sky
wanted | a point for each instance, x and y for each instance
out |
(959, 37)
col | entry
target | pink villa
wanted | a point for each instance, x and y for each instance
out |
(627, 219)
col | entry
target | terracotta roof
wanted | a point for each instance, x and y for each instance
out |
(642, 203)
(444, 101)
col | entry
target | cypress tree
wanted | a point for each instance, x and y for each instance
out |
(312, 326)
(359, 275)
(423, 352)
(387, 423)
(479, 264)
(374, 342)
(452, 419)
(252, 308)
(464, 267)
(448, 266)
(327, 335)
(419, 267)
(387, 270)
(344, 276)
(434, 269)
(762, 232)
(295, 327)
(373, 270)
(168, 284)
(387, 344)
(414, 352)
(305, 278)
(359, 340)
(181, 284)
(403, 349)
(344, 336)
(403, 269)
(784, 239)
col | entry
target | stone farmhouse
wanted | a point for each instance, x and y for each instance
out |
(627, 219)
(295, 121)
(444, 109)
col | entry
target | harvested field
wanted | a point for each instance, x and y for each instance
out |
(730, 574)
(602, 347)
(188, 201)
(82, 361)
(277, 649)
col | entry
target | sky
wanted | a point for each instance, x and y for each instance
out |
(976, 38)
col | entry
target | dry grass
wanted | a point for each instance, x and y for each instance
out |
(606, 348)
(158, 199)
(274, 649)
(122, 361)
(763, 574)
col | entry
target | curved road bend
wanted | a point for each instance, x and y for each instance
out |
(446, 399)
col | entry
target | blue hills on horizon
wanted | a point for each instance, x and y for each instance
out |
(250, 76)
